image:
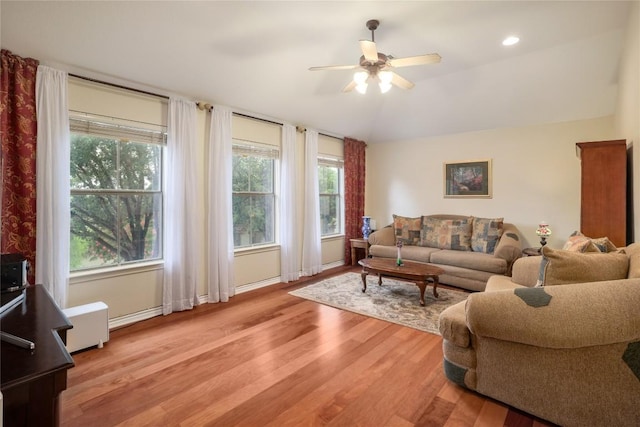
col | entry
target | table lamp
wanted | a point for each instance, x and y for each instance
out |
(543, 231)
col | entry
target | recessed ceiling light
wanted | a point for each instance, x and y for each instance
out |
(510, 41)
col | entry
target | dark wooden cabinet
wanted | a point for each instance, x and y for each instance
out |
(32, 380)
(603, 201)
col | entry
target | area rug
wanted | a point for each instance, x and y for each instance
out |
(395, 301)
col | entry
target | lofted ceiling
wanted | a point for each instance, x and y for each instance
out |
(254, 56)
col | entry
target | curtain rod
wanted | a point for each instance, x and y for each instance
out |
(89, 79)
(257, 118)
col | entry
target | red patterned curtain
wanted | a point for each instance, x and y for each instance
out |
(354, 174)
(18, 133)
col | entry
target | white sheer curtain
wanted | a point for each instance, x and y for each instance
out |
(183, 240)
(311, 243)
(53, 156)
(220, 219)
(288, 213)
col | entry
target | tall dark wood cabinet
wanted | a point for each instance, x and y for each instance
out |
(603, 201)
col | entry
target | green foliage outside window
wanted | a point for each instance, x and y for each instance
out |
(330, 209)
(253, 200)
(116, 201)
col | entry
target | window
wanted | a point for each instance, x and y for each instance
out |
(254, 199)
(331, 184)
(116, 193)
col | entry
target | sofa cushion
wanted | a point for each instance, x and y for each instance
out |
(486, 234)
(470, 260)
(407, 230)
(446, 233)
(561, 267)
(408, 253)
(500, 283)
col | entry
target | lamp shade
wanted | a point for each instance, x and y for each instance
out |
(543, 229)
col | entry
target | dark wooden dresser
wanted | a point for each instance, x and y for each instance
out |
(32, 380)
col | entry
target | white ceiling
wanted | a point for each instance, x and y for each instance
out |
(254, 56)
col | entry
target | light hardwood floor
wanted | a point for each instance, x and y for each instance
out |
(271, 359)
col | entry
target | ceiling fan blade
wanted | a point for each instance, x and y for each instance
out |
(430, 58)
(369, 50)
(401, 82)
(349, 87)
(334, 67)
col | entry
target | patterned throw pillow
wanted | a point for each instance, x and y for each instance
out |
(446, 233)
(604, 244)
(560, 267)
(486, 234)
(407, 230)
(578, 242)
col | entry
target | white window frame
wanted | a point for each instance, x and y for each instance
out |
(241, 146)
(338, 163)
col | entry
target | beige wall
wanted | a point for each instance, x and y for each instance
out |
(627, 123)
(136, 293)
(536, 176)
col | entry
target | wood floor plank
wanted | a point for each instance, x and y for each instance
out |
(269, 358)
(491, 414)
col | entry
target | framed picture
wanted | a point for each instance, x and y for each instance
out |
(470, 179)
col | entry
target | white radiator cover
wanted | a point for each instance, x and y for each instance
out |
(90, 326)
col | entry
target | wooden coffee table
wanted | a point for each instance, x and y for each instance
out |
(416, 272)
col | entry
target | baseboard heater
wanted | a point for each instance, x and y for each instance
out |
(90, 326)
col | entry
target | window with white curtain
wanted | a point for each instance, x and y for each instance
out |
(116, 192)
(331, 188)
(254, 196)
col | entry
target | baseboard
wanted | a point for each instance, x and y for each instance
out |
(257, 285)
(118, 322)
(128, 319)
(332, 265)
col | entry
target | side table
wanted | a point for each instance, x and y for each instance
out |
(359, 243)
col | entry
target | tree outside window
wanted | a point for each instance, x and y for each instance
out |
(253, 195)
(116, 197)
(330, 187)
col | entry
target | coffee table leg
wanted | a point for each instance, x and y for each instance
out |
(422, 285)
(435, 286)
(364, 281)
(379, 279)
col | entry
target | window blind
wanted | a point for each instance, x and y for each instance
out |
(248, 148)
(332, 162)
(118, 131)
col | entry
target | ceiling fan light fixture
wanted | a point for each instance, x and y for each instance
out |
(362, 87)
(360, 77)
(385, 76)
(384, 87)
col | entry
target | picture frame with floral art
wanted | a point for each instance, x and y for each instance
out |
(468, 179)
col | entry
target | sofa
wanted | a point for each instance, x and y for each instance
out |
(559, 339)
(469, 249)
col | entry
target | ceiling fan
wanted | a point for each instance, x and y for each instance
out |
(376, 66)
